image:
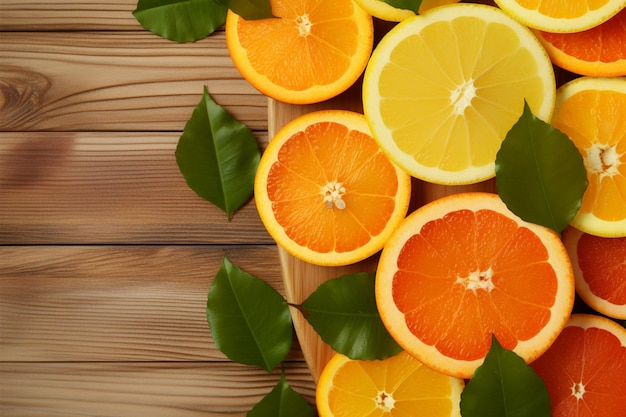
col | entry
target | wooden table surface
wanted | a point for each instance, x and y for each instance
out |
(106, 255)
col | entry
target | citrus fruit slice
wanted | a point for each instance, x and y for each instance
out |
(592, 112)
(561, 16)
(597, 52)
(312, 51)
(599, 270)
(385, 11)
(397, 386)
(326, 193)
(442, 90)
(464, 267)
(585, 369)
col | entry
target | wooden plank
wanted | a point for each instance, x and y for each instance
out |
(94, 188)
(117, 81)
(116, 303)
(31, 15)
(198, 389)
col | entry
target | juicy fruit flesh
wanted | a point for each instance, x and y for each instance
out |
(458, 102)
(563, 9)
(392, 387)
(603, 262)
(584, 371)
(321, 32)
(326, 181)
(502, 283)
(601, 138)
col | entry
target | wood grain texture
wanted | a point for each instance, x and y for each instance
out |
(117, 81)
(39, 15)
(188, 389)
(93, 188)
(116, 303)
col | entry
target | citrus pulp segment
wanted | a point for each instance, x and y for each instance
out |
(462, 268)
(599, 270)
(385, 11)
(398, 386)
(598, 52)
(442, 90)
(562, 16)
(592, 112)
(585, 369)
(326, 193)
(312, 51)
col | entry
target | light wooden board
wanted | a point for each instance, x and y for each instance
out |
(117, 81)
(154, 389)
(108, 187)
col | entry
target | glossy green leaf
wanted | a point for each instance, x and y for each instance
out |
(250, 322)
(343, 312)
(251, 9)
(540, 174)
(282, 401)
(505, 386)
(413, 5)
(180, 20)
(218, 156)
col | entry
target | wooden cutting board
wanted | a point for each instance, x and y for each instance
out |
(302, 278)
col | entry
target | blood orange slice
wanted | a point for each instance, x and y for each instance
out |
(464, 267)
(585, 369)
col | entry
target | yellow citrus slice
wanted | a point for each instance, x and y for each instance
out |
(312, 51)
(597, 52)
(442, 90)
(326, 192)
(462, 268)
(399, 386)
(386, 11)
(584, 370)
(599, 270)
(565, 16)
(592, 112)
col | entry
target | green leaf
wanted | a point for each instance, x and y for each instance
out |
(218, 156)
(343, 312)
(282, 401)
(505, 386)
(540, 174)
(180, 20)
(413, 5)
(250, 322)
(251, 9)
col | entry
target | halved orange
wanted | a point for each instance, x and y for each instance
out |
(398, 386)
(464, 267)
(592, 112)
(325, 191)
(312, 51)
(443, 89)
(564, 16)
(599, 269)
(385, 11)
(585, 369)
(596, 52)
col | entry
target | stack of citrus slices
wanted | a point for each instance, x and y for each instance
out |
(440, 91)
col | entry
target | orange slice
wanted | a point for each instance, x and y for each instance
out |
(326, 193)
(599, 269)
(585, 369)
(442, 90)
(562, 15)
(592, 112)
(312, 51)
(597, 52)
(398, 386)
(462, 268)
(385, 11)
